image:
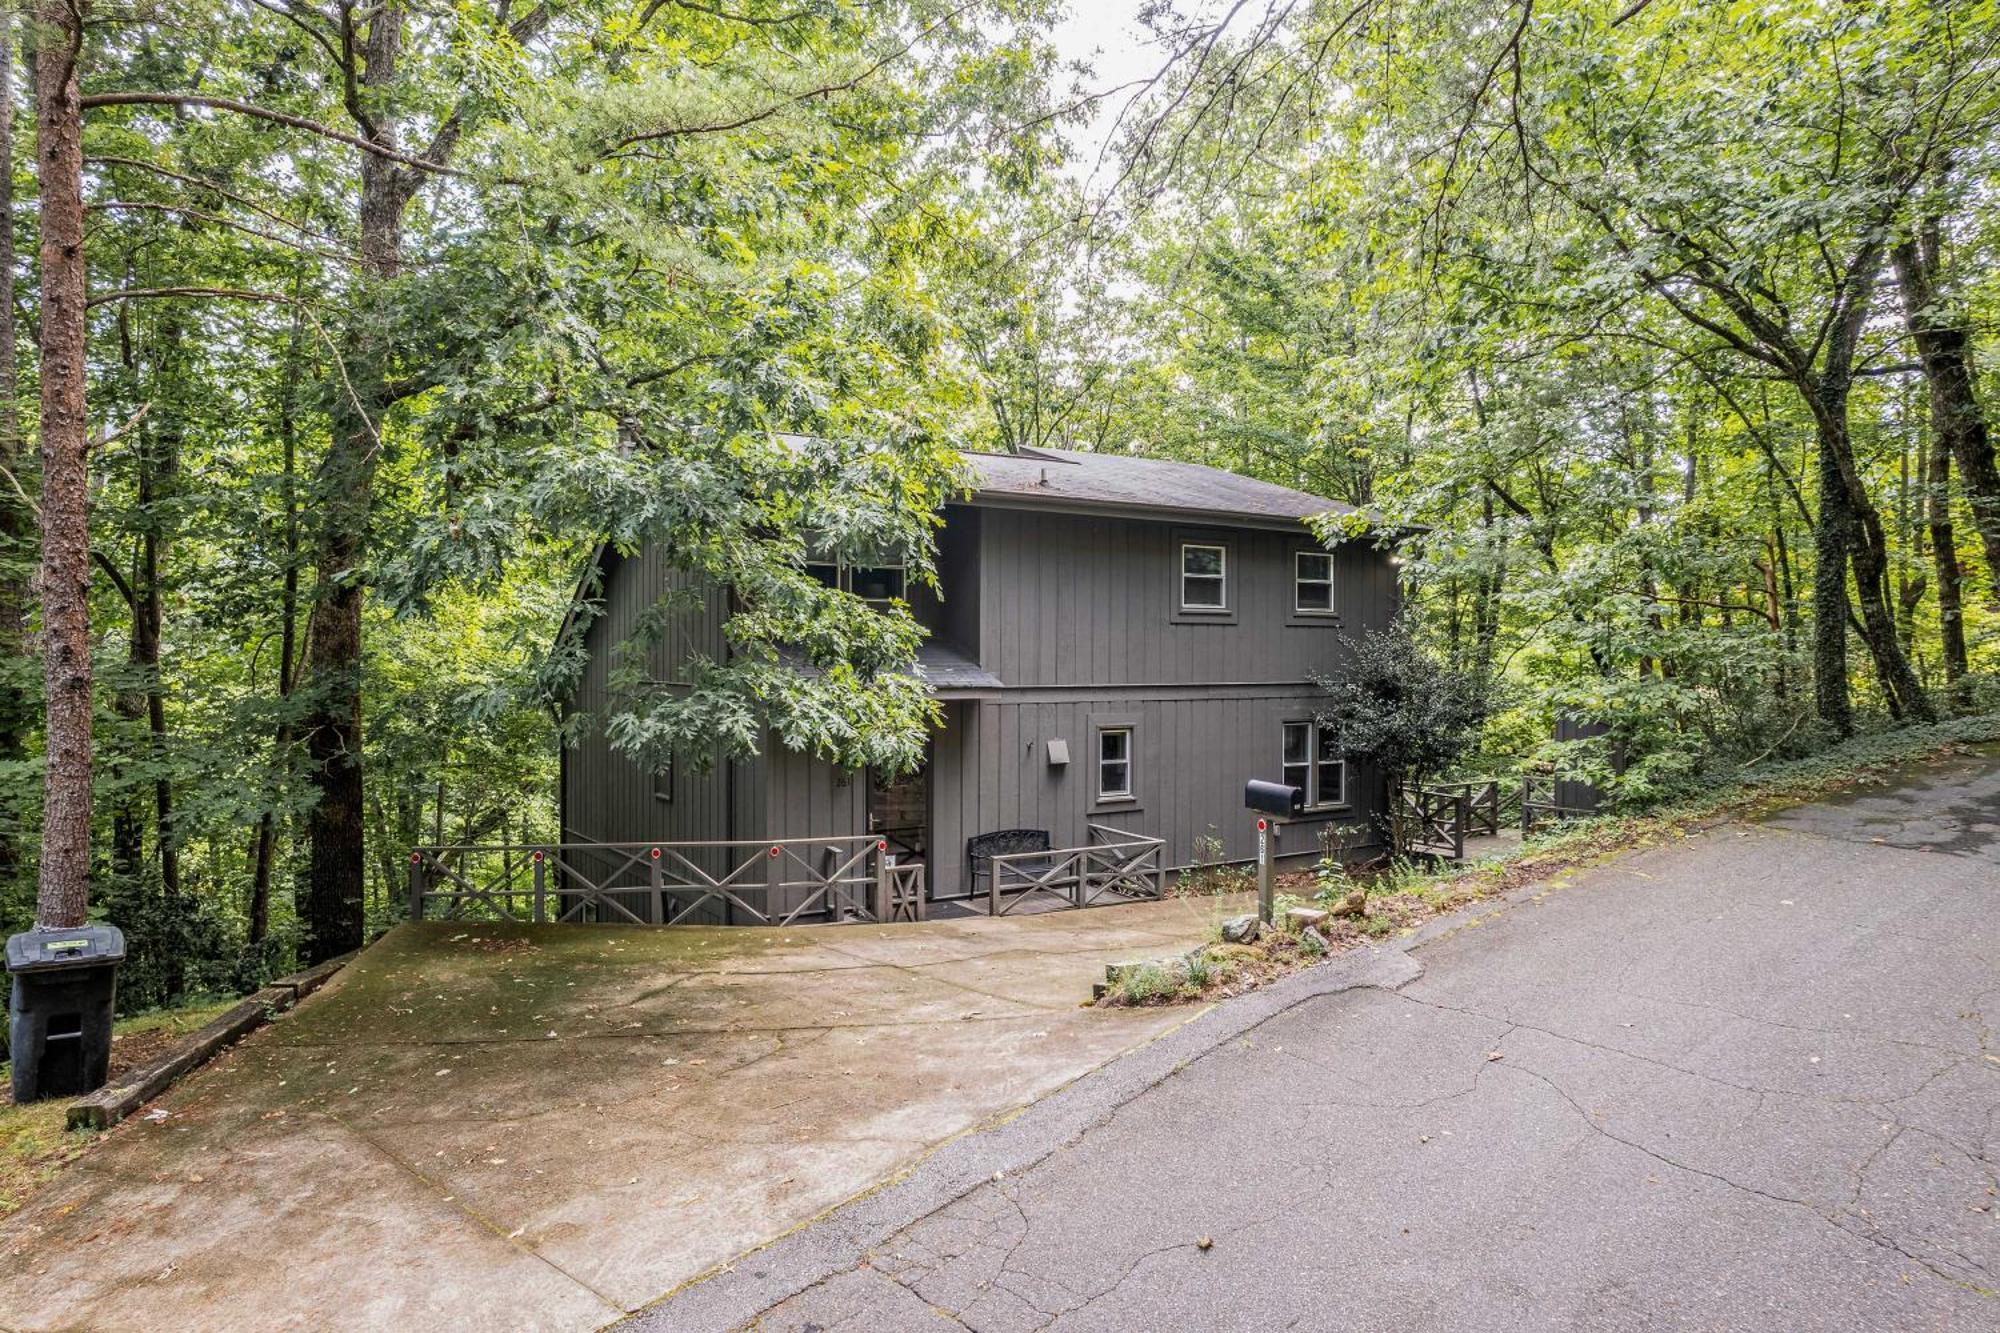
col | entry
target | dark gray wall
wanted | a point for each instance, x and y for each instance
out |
(1079, 617)
(1193, 751)
(1068, 599)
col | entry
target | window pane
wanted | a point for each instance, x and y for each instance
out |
(826, 574)
(1114, 779)
(1329, 743)
(1315, 596)
(1201, 560)
(1332, 781)
(1297, 739)
(878, 583)
(1295, 775)
(1315, 566)
(1113, 744)
(1201, 591)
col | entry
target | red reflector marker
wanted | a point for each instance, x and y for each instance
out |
(656, 853)
(776, 850)
(1263, 824)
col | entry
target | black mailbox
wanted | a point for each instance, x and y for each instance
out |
(1273, 798)
(65, 986)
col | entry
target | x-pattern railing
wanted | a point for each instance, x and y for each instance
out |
(1432, 820)
(1539, 804)
(1123, 868)
(773, 882)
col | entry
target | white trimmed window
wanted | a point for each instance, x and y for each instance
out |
(1114, 764)
(1204, 577)
(663, 783)
(878, 583)
(1312, 583)
(1312, 762)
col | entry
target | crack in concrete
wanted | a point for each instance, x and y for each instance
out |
(1873, 1235)
(473, 1215)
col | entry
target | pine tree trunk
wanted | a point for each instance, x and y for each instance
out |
(63, 891)
(17, 526)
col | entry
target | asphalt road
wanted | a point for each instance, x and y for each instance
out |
(1746, 1081)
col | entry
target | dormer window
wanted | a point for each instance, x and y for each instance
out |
(1312, 583)
(1204, 577)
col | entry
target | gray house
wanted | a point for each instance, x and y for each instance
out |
(1120, 643)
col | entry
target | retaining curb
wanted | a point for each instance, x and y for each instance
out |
(110, 1104)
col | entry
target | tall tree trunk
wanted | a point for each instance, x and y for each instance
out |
(1944, 559)
(336, 879)
(1849, 529)
(1849, 525)
(17, 526)
(1943, 346)
(63, 889)
(288, 647)
(1832, 535)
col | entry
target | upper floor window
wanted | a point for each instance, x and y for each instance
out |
(1312, 583)
(663, 782)
(1114, 764)
(1312, 762)
(878, 582)
(1204, 577)
(878, 585)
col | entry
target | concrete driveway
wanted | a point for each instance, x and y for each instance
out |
(548, 1127)
(1749, 1081)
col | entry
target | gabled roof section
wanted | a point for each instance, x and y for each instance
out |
(1072, 479)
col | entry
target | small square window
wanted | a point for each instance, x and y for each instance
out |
(1114, 764)
(1204, 577)
(663, 783)
(1312, 584)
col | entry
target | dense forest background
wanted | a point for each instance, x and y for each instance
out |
(1670, 322)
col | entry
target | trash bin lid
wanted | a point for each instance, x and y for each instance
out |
(45, 950)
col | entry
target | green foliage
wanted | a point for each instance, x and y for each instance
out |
(1398, 709)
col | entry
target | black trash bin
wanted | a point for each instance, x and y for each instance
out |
(65, 983)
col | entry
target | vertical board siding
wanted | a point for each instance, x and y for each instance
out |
(1069, 600)
(1076, 615)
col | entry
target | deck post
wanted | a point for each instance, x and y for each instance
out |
(883, 894)
(541, 886)
(416, 886)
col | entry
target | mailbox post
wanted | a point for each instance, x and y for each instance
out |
(1275, 802)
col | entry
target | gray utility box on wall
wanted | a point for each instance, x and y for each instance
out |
(65, 985)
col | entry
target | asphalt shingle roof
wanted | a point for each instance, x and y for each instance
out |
(1061, 477)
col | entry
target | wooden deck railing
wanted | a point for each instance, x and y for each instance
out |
(1436, 818)
(1115, 867)
(772, 883)
(1540, 803)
